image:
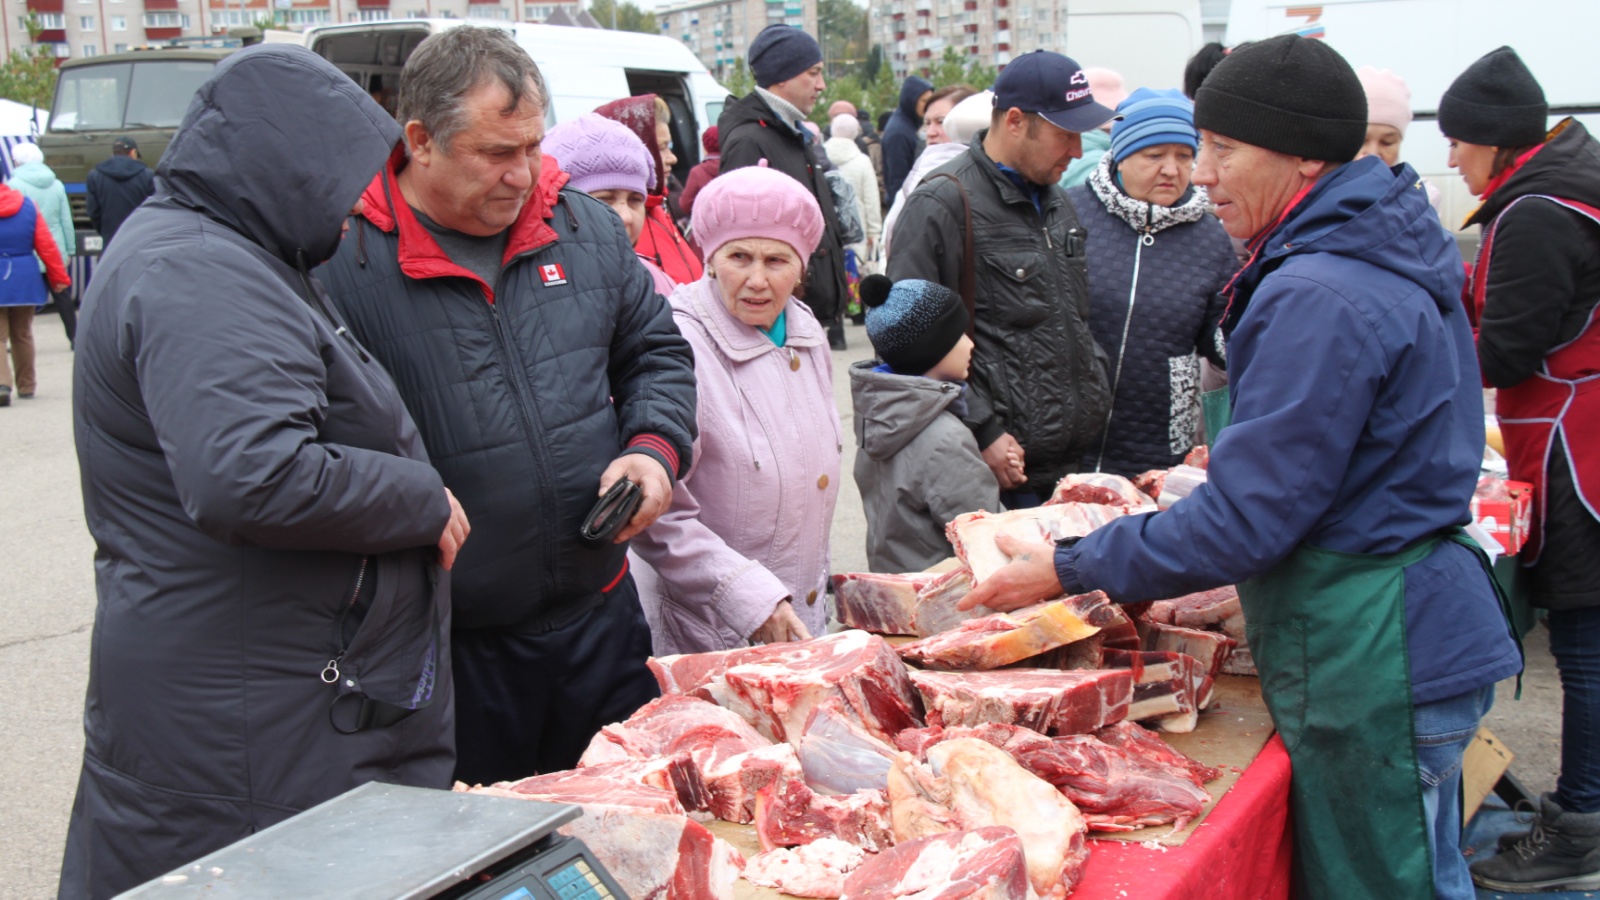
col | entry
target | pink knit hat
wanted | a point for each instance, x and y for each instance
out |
(756, 202)
(1388, 98)
(600, 155)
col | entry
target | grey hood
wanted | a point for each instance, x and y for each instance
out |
(891, 410)
(278, 145)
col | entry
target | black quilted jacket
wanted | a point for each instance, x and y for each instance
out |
(1156, 408)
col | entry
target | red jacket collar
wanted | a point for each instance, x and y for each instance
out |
(10, 200)
(422, 257)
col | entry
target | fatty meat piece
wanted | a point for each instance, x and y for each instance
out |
(987, 787)
(1209, 647)
(882, 604)
(973, 534)
(1139, 741)
(1199, 457)
(787, 814)
(1115, 789)
(597, 791)
(1214, 610)
(1169, 689)
(1181, 481)
(1003, 638)
(734, 784)
(1088, 653)
(919, 802)
(659, 856)
(1150, 483)
(936, 604)
(981, 864)
(814, 870)
(856, 672)
(676, 773)
(1099, 487)
(840, 757)
(1045, 700)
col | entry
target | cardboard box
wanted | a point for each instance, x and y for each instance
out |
(1507, 521)
(1485, 761)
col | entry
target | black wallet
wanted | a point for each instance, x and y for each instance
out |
(614, 511)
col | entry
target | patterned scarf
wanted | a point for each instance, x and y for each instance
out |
(1141, 216)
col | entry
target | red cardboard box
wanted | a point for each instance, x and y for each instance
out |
(1507, 520)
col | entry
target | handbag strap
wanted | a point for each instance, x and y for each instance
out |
(969, 276)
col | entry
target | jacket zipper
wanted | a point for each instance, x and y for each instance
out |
(330, 672)
(1141, 242)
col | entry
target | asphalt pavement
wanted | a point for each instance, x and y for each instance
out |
(47, 610)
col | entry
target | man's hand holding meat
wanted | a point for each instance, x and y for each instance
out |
(1029, 578)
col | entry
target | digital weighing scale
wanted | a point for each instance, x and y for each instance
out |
(384, 841)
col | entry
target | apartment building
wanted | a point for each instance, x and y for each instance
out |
(720, 31)
(915, 33)
(79, 28)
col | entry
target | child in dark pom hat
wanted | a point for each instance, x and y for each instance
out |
(918, 465)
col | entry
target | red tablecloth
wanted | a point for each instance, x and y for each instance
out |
(1241, 850)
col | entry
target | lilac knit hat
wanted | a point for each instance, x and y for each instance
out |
(599, 154)
(757, 202)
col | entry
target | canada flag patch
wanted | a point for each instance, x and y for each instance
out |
(552, 274)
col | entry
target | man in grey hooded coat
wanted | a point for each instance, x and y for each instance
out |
(272, 618)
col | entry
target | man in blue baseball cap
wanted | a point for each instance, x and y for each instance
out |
(1037, 393)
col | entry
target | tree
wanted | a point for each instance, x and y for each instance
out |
(628, 16)
(843, 35)
(29, 74)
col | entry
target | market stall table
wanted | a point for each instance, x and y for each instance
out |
(1238, 848)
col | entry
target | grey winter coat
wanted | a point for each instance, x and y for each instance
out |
(918, 467)
(1037, 372)
(1154, 332)
(262, 508)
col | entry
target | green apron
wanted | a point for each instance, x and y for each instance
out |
(1328, 634)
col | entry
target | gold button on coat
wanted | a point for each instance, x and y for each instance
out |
(823, 482)
(794, 361)
(811, 599)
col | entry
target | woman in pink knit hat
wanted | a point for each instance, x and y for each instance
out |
(1388, 115)
(742, 554)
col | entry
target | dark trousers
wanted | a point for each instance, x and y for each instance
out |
(527, 702)
(1575, 643)
(68, 308)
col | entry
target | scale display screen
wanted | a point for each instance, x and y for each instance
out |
(574, 879)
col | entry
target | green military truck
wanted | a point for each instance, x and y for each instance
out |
(141, 93)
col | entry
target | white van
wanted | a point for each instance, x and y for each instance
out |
(582, 67)
(1430, 42)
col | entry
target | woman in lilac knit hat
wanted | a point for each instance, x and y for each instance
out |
(608, 162)
(742, 554)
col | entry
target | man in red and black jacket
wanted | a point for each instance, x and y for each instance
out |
(540, 366)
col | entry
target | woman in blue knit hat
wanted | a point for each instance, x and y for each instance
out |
(1157, 260)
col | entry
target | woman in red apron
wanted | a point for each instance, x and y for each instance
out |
(1534, 293)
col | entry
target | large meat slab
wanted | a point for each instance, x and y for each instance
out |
(1001, 639)
(973, 534)
(789, 814)
(814, 870)
(660, 857)
(1137, 741)
(1102, 488)
(1169, 689)
(1211, 648)
(1045, 700)
(840, 757)
(883, 604)
(981, 864)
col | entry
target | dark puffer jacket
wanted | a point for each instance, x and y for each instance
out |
(1172, 316)
(1037, 372)
(525, 390)
(749, 132)
(253, 483)
(1544, 284)
(900, 142)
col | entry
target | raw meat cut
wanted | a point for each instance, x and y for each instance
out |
(936, 604)
(1199, 457)
(840, 757)
(879, 603)
(1169, 689)
(1150, 483)
(789, 813)
(676, 773)
(988, 787)
(778, 685)
(1198, 610)
(973, 534)
(1045, 700)
(1181, 481)
(733, 760)
(981, 864)
(1000, 639)
(1099, 487)
(1088, 653)
(1209, 647)
(815, 870)
(1240, 662)
(660, 857)
(1142, 742)
(1115, 789)
(596, 791)
(919, 802)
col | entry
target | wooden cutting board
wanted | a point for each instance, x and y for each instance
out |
(1229, 736)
